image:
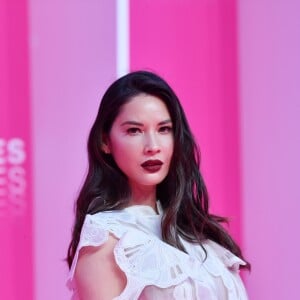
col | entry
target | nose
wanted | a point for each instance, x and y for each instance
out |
(151, 144)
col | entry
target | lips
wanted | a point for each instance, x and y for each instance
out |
(152, 166)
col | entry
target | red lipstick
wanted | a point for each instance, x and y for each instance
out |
(152, 165)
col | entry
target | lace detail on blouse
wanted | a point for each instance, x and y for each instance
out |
(156, 270)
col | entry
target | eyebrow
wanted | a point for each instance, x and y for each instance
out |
(141, 124)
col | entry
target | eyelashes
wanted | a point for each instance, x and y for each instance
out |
(133, 130)
(165, 129)
(137, 130)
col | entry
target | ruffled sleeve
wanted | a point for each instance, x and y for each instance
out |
(91, 235)
(147, 261)
(156, 270)
(143, 257)
(230, 260)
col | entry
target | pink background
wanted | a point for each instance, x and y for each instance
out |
(269, 34)
(235, 66)
(16, 249)
(73, 51)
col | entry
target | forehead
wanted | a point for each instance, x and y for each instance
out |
(144, 106)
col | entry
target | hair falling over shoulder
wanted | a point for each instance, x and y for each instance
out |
(183, 194)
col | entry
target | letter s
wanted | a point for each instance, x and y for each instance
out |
(16, 152)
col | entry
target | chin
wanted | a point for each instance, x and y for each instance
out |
(154, 181)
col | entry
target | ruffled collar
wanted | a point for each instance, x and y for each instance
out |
(145, 210)
(145, 217)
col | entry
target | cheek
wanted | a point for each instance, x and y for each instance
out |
(168, 146)
(123, 149)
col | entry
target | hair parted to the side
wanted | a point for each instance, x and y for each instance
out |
(182, 193)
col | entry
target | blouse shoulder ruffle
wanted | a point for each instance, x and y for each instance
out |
(148, 261)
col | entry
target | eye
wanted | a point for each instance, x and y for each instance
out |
(133, 130)
(165, 129)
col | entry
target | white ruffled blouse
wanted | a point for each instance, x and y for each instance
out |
(156, 270)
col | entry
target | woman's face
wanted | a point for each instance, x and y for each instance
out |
(141, 141)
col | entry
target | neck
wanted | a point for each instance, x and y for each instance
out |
(143, 195)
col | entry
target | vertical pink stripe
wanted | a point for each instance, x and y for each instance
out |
(73, 56)
(193, 45)
(269, 35)
(15, 155)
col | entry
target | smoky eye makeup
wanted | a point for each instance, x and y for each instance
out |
(133, 130)
(166, 129)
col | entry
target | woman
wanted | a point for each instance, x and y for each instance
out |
(143, 229)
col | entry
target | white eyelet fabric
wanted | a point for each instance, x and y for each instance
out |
(156, 270)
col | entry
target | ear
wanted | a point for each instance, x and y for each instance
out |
(105, 149)
(105, 145)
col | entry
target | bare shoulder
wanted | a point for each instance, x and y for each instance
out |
(97, 275)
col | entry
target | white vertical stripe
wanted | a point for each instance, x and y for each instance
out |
(122, 37)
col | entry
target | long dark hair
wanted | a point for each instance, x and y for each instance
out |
(183, 194)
